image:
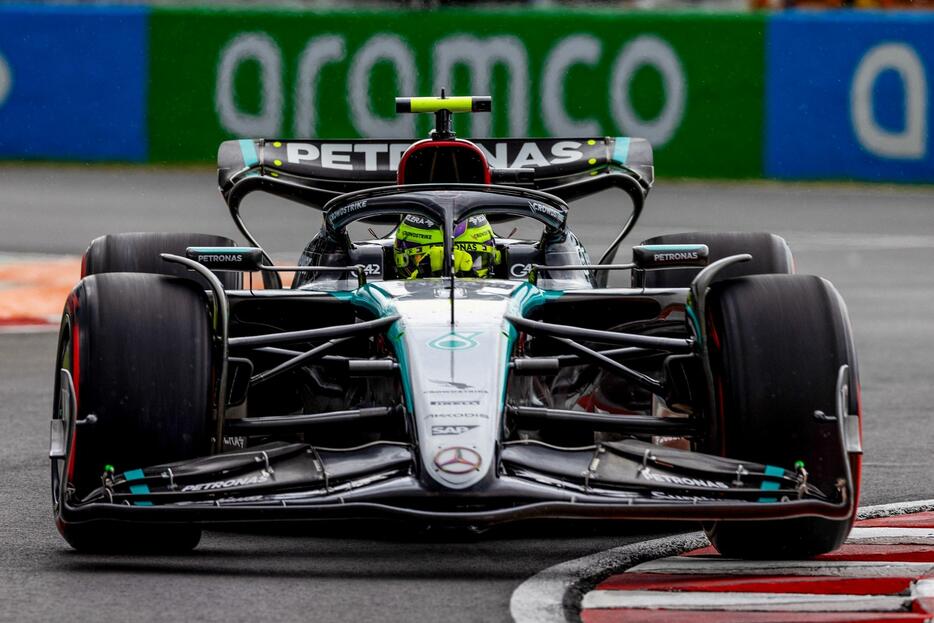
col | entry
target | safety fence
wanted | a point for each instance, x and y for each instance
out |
(787, 95)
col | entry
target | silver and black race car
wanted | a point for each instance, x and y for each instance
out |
(194, 389)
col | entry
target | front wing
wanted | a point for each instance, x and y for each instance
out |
(618, 480)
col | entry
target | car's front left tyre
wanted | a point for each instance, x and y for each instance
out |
(777, 345)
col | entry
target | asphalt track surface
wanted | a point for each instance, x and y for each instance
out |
(875, 243)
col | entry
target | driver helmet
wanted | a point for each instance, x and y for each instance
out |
(419, 248)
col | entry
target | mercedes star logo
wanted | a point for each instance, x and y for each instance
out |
(457, 460)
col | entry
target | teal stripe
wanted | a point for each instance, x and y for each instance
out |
(248, 149)
(523, 299)
(134, 474)
(673, 247)
(140, 489)
(774, 472)
(693, 316)
(771, 485)
(223, 249)
(395, 334)
(621, 149)
(379, 302)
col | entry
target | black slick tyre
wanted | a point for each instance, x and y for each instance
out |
(776, 344)
(770, 255)
(138, 350)
(139, 253)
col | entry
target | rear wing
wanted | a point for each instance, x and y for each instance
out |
(313, 172)
(344, 166)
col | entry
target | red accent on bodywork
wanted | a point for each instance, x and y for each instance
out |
(714, 336)
(72, 306)
(433, 144)
(720, 415)
(671, 309)
(856, 461)
(586, 402)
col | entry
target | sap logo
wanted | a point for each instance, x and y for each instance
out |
(451, 430)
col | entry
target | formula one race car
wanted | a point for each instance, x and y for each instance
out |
(444, 374)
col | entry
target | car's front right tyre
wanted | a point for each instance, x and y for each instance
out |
(137, 350)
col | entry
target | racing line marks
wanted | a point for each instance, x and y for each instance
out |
(756, 602)
(880, 571)
(884, 573)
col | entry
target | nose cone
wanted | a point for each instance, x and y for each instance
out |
(455, 376)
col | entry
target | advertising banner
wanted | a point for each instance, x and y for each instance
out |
(690, 83)
(73, 83)
(793, 95)
(850, 96)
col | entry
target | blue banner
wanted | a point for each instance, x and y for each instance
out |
(73, 83)
(850, 95)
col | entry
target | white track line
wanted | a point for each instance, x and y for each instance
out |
(760, 602)
(547, 596)
(923, 588)
(553, 595)
(893, 510)
(892, 536)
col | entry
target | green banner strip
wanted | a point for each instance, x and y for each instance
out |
(691, 83)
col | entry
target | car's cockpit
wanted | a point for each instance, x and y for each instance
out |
(449, 204)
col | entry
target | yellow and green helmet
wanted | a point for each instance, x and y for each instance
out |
(419, 248)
